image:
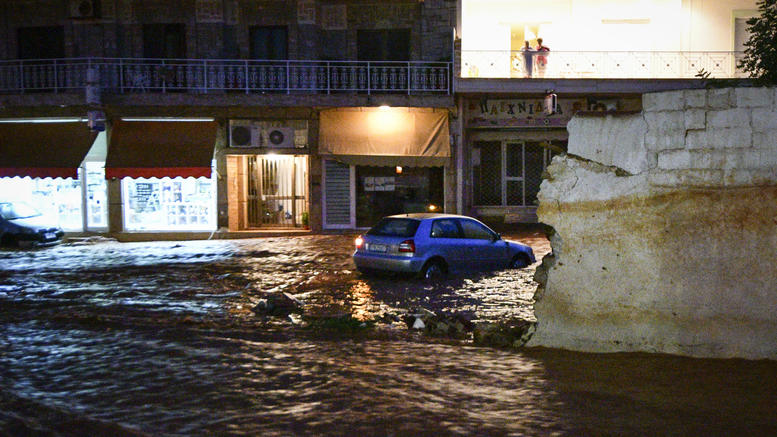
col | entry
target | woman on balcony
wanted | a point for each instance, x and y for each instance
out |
(542, 60)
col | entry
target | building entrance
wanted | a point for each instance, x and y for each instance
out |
(267, 191)
(277, 190)
(383, 191)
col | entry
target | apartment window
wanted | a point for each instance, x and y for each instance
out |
(164, 41)
(383, 45)
(269, 42)
(42, 42)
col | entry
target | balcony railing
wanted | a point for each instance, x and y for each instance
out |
(121, 75)
(601, 65)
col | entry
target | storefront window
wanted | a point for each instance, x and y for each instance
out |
(169, 204)
(59, 199)
(382, 191)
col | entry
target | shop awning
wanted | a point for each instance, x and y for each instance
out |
(385, 137)
(157, 149)
(43, 150)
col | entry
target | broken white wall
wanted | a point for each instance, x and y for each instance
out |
(666, 229)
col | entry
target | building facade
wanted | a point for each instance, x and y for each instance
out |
(596, 56)
(201, 116)
(196, 116)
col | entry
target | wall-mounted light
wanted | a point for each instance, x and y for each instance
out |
(551, 102)
(399, 169)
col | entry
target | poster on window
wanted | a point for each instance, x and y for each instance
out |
(141, 198)
(379, 183)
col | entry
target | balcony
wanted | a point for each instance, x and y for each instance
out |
(601, 65)
(125, 76)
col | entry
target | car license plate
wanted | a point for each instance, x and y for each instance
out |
(49, 235)
(378, 247)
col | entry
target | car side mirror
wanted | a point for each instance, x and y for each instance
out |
(496, 237)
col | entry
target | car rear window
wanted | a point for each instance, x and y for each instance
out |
(395, 227)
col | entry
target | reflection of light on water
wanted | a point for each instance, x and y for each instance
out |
(362, 301)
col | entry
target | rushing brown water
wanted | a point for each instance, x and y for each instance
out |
(160, 339)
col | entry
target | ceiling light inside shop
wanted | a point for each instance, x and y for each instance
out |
(167, 119)
(43, 120)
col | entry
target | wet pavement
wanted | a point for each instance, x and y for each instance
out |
(165, 338)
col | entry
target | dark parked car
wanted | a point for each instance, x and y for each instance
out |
(24, 226)
(432, 245)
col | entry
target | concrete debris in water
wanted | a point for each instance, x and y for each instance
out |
(455, 325)
(280, 304)
(512, 333)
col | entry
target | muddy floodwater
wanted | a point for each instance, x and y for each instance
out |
(165, 338)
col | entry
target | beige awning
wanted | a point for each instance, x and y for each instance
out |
(385, 137)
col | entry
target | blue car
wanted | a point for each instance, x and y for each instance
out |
(24, 226)
(432, 245)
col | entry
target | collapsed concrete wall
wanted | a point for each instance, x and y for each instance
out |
(665, 229)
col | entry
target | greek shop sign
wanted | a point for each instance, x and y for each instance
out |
(520, 113)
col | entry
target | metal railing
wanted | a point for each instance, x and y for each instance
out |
(600, 65)
(124, 75)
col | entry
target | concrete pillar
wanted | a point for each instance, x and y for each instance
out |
(115, 207)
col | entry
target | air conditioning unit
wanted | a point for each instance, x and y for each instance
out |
(280, 137)
(244, 133)
(84, 8)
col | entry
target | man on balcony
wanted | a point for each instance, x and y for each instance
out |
(528, 58)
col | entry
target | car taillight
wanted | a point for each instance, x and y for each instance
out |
(359, 242)
(407, 246)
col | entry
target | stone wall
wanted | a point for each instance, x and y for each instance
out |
(665, 229)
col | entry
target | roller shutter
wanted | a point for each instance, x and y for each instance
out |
(337, 195)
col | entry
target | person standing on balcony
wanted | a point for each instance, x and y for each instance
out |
(542, 60)
(528, 58)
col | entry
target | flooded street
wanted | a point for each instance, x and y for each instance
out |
(165, 338)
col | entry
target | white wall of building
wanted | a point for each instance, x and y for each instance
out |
(605, 25)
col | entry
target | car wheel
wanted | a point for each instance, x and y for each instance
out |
(25, 244)
(7, 240)
(519, 262)
(433, 270)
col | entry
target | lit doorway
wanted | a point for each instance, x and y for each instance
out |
(267, 191)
